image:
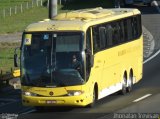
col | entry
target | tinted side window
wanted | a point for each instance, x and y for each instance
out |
(115, 32)
(96, 40)
(129, 29)
(88, 39)
(135, 27)
(139, 25)
(121, 31)
(109, 35)
(125, 30)
(102, 34)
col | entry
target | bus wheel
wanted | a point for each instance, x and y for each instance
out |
(130, 83)
(93, 99)
(124, 85)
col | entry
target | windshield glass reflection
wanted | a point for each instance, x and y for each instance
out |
(52, 59)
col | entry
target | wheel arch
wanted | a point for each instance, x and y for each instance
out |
(131, 72)
(96, 90)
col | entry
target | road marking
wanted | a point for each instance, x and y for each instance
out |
(8, 103)
(156, 5)
(153, 56)
(143, 97)
(7, 99)
(33, 110)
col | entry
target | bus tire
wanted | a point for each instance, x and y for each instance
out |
(130, 82)
(124, 85)
(93, 99)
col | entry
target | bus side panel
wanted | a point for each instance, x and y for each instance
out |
(113, 62)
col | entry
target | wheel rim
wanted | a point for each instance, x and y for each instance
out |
(130, 83)
(124, 85)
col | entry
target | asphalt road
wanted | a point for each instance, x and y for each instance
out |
(107, 108)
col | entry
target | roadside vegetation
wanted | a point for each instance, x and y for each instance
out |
(18, 22)
(11, 3)
(6, 56)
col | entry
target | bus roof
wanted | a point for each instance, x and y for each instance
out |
(80, 20)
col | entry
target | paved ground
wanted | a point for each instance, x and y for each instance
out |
(152, 23)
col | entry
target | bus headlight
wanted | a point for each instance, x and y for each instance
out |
(26, 93)
(74, 92)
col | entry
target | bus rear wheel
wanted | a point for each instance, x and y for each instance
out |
(130, 83)
(124, 85)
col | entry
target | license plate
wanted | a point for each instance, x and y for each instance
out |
(51, 101)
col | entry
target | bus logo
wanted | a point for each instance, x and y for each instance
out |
(51, 93)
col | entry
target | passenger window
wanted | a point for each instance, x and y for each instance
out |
(121, 31)
(115, 32)
(109, 35)
(129, 29)
(88, 39)
(102, 34)
(96, 40)
(135, 27)
(125, 30)
(139, 25)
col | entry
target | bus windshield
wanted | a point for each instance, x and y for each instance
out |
(52, 59)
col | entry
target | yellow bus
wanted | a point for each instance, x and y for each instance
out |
(81, 56)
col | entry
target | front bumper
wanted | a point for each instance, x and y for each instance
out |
(81, 100)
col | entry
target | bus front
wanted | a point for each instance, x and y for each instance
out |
(53, 69)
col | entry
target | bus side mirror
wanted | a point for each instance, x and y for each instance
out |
(16, 58)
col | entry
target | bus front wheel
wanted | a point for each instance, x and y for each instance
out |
(93, 99)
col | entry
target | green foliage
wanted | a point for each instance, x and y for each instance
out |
(6, 56)
(18, 22)
(11, 3)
